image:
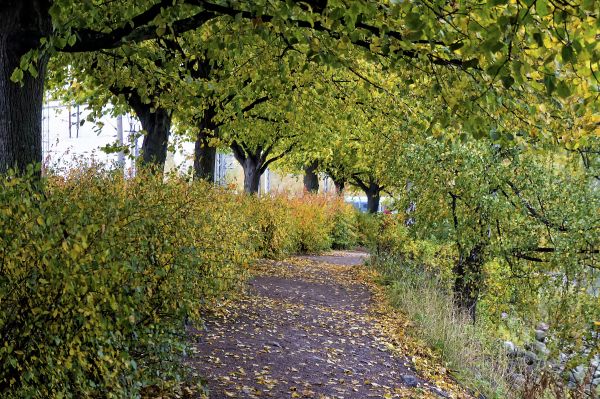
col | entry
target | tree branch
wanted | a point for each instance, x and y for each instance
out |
(137, 31)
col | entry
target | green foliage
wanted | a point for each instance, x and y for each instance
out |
(99, 275)
(344, 233)
(530, 213)
(276, 228)
(475, 358)
(368, 226)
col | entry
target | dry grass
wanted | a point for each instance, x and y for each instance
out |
(473, 358)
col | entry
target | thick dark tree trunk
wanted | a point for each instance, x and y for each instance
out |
(157, 124)
(468, 272)
(22, 24)
(204, 159)
(158, 128)
(373, 197)
(339, 185)
(311, 179)
(372, 190)
(204, 154)
(252, 175)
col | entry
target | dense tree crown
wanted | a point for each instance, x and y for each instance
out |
(487, 65)
(479, 121)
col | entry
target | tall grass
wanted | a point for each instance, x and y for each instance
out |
(474, 359)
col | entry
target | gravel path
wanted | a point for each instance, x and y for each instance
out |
(303, 331)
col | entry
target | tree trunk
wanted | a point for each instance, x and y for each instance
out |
(204, 159)
(158, 128)
(251, 175)
(311, 179)
(157, 124)
(204, 154)
(468, 280)
(22, 24)
(373, 196)
(339, 185)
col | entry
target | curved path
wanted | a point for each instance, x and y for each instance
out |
(303, 330)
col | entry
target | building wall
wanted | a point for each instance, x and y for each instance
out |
(68, 139)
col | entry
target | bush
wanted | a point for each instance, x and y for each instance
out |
(344, 233)
(99, 275)
(313, 218)
(274, 226)
(368, 226)
(419, 277)
(478, 361)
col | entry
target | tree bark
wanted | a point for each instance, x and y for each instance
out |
(157, 124)
(311, 179)
(340, 184)
(373, 197)
(468, 280)
(204, 159)
(204, 154)
(22, 24)
(252, 175)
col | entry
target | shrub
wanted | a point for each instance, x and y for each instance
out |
(478, 361)
(368, 229)
(344, 234)
(98, 276)
(313, 218)
(275, 228)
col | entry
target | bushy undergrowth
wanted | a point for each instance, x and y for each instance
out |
(100, 274)
(418, 275)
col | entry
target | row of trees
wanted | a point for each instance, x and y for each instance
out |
(220, 71)
(342, 88)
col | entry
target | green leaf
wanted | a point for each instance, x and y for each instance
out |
(562, 89)
(507, 81)
(550, 83)
(567, 53)
(32, 70)
(541, 6)
(17, 75)
(537, 36)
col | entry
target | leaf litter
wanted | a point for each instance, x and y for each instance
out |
(315, 327)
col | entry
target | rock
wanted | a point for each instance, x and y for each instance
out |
(509, 346)
(541, 349)
(577, 374)
(530, 357)
(543, 327)
(595, 366)
(596, 382)
(563, 357)
(540, 335)
(518, 379)
(410, 380)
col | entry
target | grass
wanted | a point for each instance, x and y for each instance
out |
(474, 358)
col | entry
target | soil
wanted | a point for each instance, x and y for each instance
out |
(303, 330)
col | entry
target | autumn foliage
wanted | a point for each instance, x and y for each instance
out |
(100, 274)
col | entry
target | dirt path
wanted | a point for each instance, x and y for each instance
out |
(303, 331)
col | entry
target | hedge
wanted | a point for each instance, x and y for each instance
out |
(100, 274)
